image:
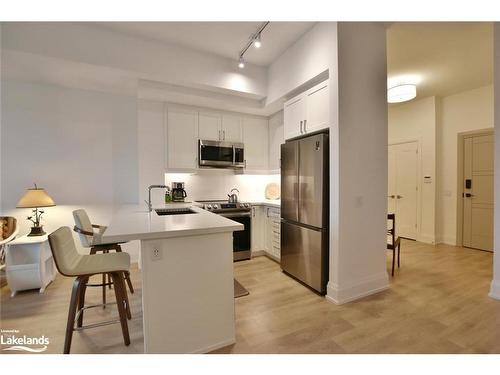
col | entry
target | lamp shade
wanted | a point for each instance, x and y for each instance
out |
(35, 197)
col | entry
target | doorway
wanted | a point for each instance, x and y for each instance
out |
(476, 190)
(403, 187)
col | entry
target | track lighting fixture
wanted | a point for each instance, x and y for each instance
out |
(257, 42)
(241, 63)
(254, 39)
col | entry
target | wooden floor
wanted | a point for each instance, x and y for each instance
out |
(437, 303)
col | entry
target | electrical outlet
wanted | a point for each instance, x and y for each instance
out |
(156, 254)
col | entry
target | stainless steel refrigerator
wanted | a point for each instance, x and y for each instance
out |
(305, 210)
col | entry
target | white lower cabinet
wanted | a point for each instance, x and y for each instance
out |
(266, 231)
(272, 232)
(258, 229)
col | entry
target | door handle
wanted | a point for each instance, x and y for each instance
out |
(399, 196)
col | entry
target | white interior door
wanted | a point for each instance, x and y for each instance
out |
(403, 187)
(478, 192)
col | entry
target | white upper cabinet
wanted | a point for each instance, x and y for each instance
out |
(181, 131)
(220, 127)
(276, 138)
(231, 128)
(255, 137)
(210, 126)
(294, 115)
(317, 108)
(307, 112)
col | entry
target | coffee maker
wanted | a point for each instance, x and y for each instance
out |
(178, 192)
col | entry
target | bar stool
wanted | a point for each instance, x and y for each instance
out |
(72, 264)
(92, 239)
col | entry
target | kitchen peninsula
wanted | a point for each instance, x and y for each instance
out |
(187, 276)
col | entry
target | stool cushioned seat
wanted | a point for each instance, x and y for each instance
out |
(72, 263)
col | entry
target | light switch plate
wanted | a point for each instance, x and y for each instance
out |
(156, 253)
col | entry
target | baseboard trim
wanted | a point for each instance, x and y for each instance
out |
(495, 289)
(340, 295)
(219, 345)
(426, 239)
(258, 253)
(452, 241)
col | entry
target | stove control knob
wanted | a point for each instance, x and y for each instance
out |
(209, 206)
(216, 206)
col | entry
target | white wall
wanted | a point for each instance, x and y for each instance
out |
(416, 121)
(358, 262)
(462, 112)
(79, 145)
(303, 61)
(495, 283)
(133, 58)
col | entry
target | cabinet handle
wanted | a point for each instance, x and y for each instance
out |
(305, 121)
(267, 214)
(399, 196)
(300, 126)
(391, 196)
(224, 135)
(220, 138)
(253, 211)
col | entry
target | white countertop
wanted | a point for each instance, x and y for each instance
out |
(136, 223)
(267, 202)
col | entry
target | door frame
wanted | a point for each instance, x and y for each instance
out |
(419, 178)
(460, 178)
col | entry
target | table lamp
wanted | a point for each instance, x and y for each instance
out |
(35, 198)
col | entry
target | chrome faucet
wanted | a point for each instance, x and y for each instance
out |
(148, 202)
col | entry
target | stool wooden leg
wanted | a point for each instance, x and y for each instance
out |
(126, 301)
(129, 283)
(393, 257)
(71, 314)
(103, 290)
(81, 300)
(399, 252)
(119, 288)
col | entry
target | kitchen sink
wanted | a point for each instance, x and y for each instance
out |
(175, 211)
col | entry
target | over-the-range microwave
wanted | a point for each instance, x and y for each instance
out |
(221, 154)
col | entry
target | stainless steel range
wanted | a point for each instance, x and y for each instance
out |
(240, 212)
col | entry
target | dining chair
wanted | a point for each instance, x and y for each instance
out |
(393, 242)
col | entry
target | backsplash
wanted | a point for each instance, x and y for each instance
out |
(216, 184)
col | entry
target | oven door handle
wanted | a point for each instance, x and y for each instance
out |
(235, 214)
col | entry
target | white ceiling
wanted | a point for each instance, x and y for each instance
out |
(443, 58)
(221, 38)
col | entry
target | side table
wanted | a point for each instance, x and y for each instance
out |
(29, 264)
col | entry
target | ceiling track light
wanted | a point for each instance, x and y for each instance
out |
(255, 40)
(241, 63)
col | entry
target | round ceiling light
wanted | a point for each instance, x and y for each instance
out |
(401, 93)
